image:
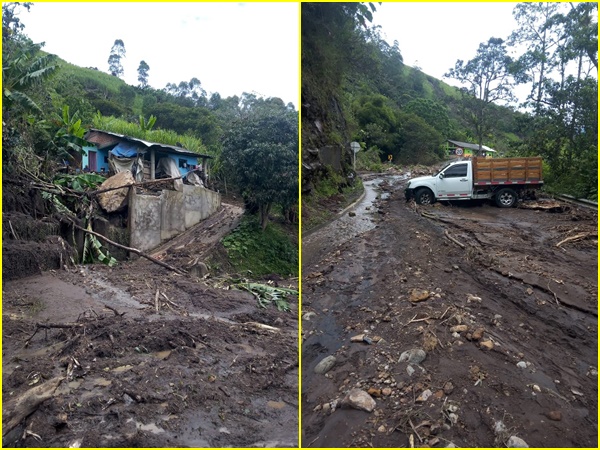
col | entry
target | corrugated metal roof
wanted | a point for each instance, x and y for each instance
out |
(96, 135)
(471, 146)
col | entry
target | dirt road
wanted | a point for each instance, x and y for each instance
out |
(145, 357)
(501, 321)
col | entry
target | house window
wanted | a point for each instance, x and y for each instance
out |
(183, 163)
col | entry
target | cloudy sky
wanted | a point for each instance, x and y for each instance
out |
(434, 36)
(230, 47)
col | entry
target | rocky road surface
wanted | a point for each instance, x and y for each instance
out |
(456, 324)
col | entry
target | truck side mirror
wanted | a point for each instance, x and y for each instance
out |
(441, 175)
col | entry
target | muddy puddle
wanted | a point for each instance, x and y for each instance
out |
(346, 226)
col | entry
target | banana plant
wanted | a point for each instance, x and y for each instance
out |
(147, 125)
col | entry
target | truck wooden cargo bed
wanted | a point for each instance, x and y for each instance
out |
(490, 171)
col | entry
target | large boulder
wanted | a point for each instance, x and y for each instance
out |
(116, 199)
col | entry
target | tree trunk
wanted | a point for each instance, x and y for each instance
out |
(265, 209)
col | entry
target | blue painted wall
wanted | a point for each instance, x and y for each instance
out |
(101, 158)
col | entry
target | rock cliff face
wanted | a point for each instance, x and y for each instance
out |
(325, 143)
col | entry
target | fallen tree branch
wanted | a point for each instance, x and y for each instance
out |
(142, 183)
(460, 244)
(577, 237)
(18, 409)
(47, 326)
(130, 249)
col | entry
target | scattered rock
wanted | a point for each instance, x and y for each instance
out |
(410, 370)
(536, 388)
(418, 295)
(326, 408)
(386, 391)
(448, 388)
(309, 315)
(554, 415)
(359, 399)
(352, 214)
(382, 429)
(325, 365)
(522, 365)
(473, 299)
(374, 392)
(516, 442)
(357, 338)
(459, 328)
(413, 356)
(487, 344)
(477, 334)
(425, 395)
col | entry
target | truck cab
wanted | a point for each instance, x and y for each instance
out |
(454, 181)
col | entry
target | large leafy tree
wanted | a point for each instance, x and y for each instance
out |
(488, 80)
(535, 31)
(117, 53)
(260, 152)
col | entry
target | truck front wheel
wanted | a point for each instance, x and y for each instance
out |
(506, 198)
(424, 196)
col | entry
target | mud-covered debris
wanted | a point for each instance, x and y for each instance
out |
(359, 399)
(325, 365)
(352, 214)
(413, 356)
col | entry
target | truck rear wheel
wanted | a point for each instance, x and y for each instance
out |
(506, 198)
(424, 196)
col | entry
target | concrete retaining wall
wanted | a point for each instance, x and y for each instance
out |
(154, 219)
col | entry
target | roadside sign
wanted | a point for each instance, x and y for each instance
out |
(355, 146)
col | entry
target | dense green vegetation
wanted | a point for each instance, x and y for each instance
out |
(356, 87)
(49, 104)
(256, 253)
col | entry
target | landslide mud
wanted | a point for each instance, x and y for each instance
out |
(209, 368)
(507, 318)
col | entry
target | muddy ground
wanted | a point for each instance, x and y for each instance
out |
(504, 311)
(209, 368)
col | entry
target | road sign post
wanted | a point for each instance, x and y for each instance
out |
(355, 146)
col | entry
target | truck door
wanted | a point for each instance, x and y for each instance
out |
(455, 182)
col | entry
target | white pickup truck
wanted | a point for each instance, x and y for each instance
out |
(501, 179)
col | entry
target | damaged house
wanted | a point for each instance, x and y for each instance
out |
(152, 210)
